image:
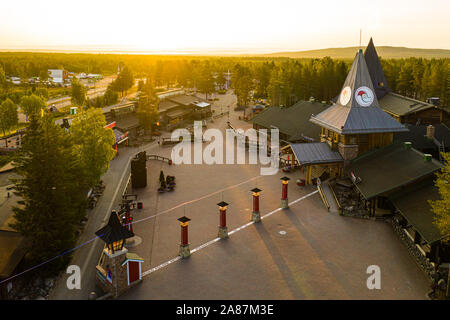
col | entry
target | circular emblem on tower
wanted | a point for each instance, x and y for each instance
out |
(364, 96)
(346, 94)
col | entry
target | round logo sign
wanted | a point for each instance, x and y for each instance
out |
(364, 96)
(346, 94)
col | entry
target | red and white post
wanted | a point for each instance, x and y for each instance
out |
(223, 229)
(185, 252)
(256, 215)
(284, 193)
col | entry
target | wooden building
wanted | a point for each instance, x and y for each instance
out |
(356, 124)
(177, 108)
(292, 122)
(352, 126)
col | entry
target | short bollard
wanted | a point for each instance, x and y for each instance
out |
(284, 193)
(256, 215)
(185, 252)
(223, 230)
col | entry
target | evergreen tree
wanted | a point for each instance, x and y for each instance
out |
(124, 81)
(52, 199)
(147, 109)
(206, 81)
(242, 81)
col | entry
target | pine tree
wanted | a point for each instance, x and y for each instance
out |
(52, 198)
(147, 109)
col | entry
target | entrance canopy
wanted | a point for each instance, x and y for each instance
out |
(315, 153)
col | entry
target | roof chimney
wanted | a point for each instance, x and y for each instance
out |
(430, 131)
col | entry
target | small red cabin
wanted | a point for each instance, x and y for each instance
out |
(134, 269)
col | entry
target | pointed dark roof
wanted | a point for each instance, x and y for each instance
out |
(114, 231)
(356, 109)
(376, 72)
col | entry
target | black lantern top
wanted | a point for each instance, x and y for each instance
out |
(222, 204)
(184, 219)
(256, 190)
(285, 179)
(114, 231)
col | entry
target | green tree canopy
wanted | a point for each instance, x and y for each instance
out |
(8, 116)
(441, 207)
(242, 81)
(93, 145)
(3, 82)
(32, 104)
(124, 81)
(78, 92)
(147, 109)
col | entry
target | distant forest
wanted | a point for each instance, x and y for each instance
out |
(281, 80)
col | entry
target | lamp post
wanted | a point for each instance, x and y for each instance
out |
(185, 252)
(256, 216)
(114, 235)
(223, 230)
(284, 192)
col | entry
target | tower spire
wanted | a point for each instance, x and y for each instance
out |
(356, 110)
(376, 71)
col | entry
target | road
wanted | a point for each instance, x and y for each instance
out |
(100, 88)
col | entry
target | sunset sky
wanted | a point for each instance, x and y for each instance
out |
(231, 25)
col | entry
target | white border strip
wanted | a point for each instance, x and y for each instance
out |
(217, 239)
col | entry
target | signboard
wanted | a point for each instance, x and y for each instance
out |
(111, 125)
(346, 94)
(364, 96)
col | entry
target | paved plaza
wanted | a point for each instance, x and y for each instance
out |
(304, 252)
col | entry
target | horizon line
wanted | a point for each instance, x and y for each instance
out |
(182, 51)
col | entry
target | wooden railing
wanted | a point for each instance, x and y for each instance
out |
(335, 197)
(322, 195)
(156, 157)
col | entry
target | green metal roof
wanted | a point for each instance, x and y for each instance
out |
(412, 202)
(292, 121)
(400, 105)
(315, 153)
(383, 170)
